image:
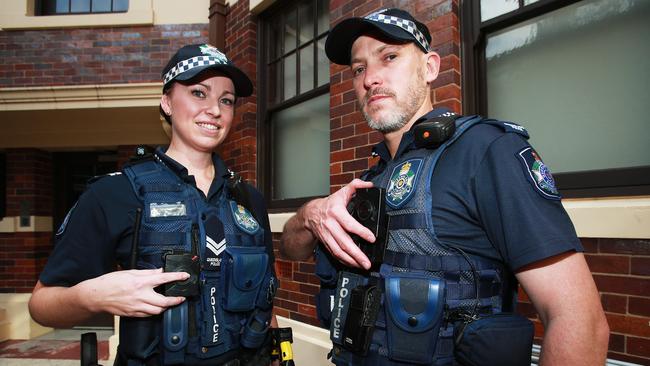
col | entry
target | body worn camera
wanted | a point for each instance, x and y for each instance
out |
(361, 317)
(176, 261)
(368, 207)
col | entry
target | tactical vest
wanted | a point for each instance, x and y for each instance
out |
(425, 284)
(233, 308)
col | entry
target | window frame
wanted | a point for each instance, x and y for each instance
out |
(265, 109)
(629, 181)
(40, 9)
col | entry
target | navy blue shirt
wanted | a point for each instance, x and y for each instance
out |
(488, 202)
(97, 234)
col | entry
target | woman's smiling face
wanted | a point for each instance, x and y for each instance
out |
(201, 111)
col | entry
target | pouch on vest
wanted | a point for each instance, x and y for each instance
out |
(219, 330)
(141, 340)
(503, 339)
(243, 272)
(414, 306)
(347, 281)
(326, 272)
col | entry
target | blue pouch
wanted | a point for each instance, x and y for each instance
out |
(347, 281)
(243, 271)
(414, 305)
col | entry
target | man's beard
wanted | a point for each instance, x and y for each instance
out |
(395, 119)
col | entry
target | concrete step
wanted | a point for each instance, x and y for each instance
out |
(4, 325)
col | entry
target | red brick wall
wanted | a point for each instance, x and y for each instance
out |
(92, 55)
(239, 151)
(29, 185)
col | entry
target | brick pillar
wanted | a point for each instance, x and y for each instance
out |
(26, 231)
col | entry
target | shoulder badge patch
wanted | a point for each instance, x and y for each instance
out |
(402, 183)
(243, 218)
(61, 229)
(538, 173)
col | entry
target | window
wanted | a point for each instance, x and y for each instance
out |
(294, 103)
(62, 7)
(574, 74)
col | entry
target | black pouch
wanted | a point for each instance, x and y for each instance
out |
(503, 339)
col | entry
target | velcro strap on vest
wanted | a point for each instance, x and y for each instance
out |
(160, 187)
(407, 221)
(163, 238)
(468, 291)
(447, 263)
(426, 262)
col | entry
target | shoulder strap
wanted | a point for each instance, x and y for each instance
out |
(508, 127)
(139, 174)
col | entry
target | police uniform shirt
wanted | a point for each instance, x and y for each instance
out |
(486, 200)
(98, 231)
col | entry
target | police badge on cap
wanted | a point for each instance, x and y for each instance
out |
(393, 23)
(191, 60)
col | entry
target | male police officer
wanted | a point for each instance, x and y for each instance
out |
(488, 210)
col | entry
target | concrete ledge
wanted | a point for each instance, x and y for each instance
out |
(310, 344)
(36, 224)
(21, 325)
(620, 218)
(80, 96)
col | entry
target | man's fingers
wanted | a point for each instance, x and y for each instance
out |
(333, 246)
(348, 246)
(352, 226)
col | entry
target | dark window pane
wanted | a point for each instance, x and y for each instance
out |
(565, 108)
(80, 6)
(290, 76)
(323, 16)
(120, 5)
(306, 20)
(62, 6)
(307, 68)
(290, 31)
(323, 63)
(101, 6)
(301, 131)
(275, 83)
(275, 39)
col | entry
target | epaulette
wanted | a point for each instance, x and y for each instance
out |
(508, 127)
(138, 159)
(98, 177)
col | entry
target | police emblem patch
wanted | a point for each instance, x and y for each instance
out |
(64, 224)
(402, 182)
(210, 50)
(538, 173)
(243, 218)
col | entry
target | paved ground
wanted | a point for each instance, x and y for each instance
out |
(58, 348)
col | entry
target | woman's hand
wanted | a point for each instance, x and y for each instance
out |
(130, 292)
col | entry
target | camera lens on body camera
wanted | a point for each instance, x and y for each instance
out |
(365, 210)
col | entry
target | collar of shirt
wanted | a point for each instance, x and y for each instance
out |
(408, 141)
(221, 172)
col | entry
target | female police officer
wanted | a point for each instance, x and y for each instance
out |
(196, 240)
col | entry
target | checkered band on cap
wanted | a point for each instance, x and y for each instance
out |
(405, 24)
(191, 63)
